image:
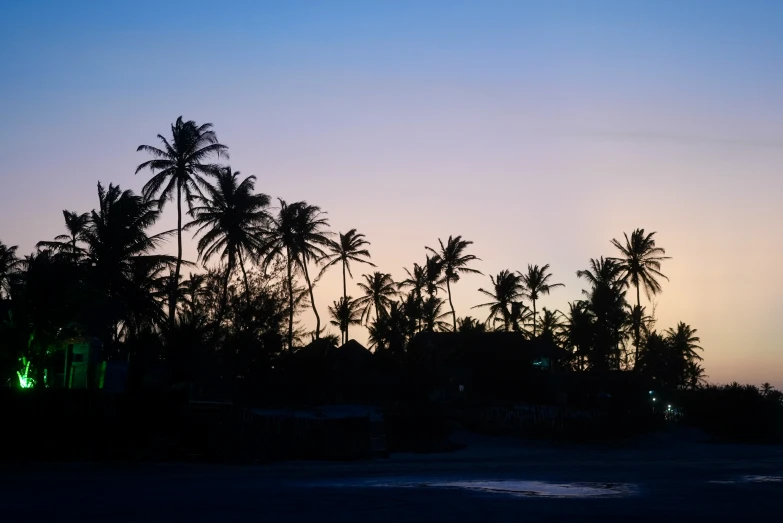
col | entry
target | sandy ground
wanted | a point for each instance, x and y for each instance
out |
(493, 479)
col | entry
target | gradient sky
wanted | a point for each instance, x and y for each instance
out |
(539, 130)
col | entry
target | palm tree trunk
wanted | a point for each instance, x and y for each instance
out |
(290, 302)
(175, 283)
(453, 314)
(312, 299)
(534, 318)
(345, 300)
(636, 327)
(224, 297)
(244, 276)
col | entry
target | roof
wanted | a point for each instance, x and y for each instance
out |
(351, 355)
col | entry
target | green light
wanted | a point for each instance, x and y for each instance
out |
(25, 380)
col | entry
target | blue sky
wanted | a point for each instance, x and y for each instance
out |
(539, 130)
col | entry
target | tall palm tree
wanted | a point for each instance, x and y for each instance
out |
(75, 224)
(120, 252)
(298, 234)
(345, 312)
(117, 236)
(10, 264)
(454, 262)
(536, 284)
(379, 292)
(506, 289)
(233, 220)
(179, 167)
(641, 265)
(350, 247)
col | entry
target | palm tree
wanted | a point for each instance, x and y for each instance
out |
(454, 262)
(578, 332)
(552, 325)
(416, 280)
(433, 268)
(192, 289)
(606, 300)
(298, 234)
(536, 284)
(349, 248)
(603, 272)
(641, 265)
(379, 291)
(75, 224)
(116, 236)
(179, 167)
(119, 250)
(432, 314)
(10, 264)
(233, 220)
(518, 316)
(345, 312)
(507, 288)
(684, 341)
(468, 324)
(389, 331)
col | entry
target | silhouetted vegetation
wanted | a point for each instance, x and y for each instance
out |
(234, 323)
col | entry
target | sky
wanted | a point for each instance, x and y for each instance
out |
(537, 130)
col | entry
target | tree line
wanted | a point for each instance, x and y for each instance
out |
(105, 277)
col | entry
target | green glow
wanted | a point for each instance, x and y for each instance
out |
(25, 380)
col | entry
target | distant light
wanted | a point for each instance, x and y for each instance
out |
(653, 399)
(669, 407)
(651, 392)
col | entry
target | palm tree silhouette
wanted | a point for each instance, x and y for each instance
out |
(379, 291)
(506, 289)
(298, 235)
(606, 300)
(454, 262)
(552, 325)
(432, 314)
(233, 220)
(9, 265)
(468, 324)
(178, 168)
(641, 265)
(416, 280)
(684, 341)
(75, 224)
(120, 253)
(345, 312)
(433, 269)
(536, 284)
(518, 316)
(349, 248)
(578, 332)
(116, 236)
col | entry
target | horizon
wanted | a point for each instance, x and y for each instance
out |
(538, 134)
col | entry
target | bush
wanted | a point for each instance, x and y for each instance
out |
(740, 413)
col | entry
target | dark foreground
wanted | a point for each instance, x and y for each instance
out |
(490, 480)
